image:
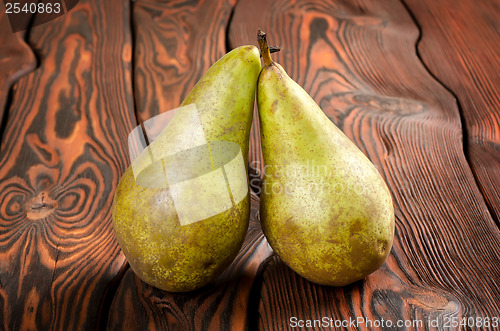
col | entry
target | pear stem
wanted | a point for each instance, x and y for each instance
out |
(264, 48)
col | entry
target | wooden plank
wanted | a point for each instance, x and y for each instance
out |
(175, 43)
(460, 45)
(16, 59)
(358, 61)
(63, 152)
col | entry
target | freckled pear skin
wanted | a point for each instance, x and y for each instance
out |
(161, 251)
(325, 209)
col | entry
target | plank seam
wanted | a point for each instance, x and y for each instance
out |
(465, 136)
(112, 287)
(109, 296)
(5, 115)
(138, 120)
(228, 26)
(8, 101)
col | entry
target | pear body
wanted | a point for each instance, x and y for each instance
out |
(181, 209)
(325, 209)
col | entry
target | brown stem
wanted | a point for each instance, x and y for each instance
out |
(264, 48)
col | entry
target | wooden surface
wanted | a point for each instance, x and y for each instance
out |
(413, 83)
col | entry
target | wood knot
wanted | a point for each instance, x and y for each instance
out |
(40, 206)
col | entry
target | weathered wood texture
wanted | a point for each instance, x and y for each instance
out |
(174, 44)
(359, 62)
(16, 59)
(460, 46)
(65, 144)
(63, 152)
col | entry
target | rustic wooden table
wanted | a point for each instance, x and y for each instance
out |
(414, 83)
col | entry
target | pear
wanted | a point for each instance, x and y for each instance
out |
(181, 209)
(325, 209)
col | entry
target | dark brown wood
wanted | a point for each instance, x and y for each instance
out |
(63, 152)
(255, 163)
(358, 61)
(460, 45)
(16, 59)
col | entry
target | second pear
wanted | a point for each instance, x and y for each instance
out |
(325, 209)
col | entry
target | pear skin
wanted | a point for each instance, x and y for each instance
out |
(181, 209)
(325, 209)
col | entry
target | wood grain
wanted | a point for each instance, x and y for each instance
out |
(16, 60)
(64, 149)
(255, 163)
(358, 61)
(175, 43)
(460, 45)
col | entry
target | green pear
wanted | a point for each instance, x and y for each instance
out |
(181, 209)
(325, 209)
